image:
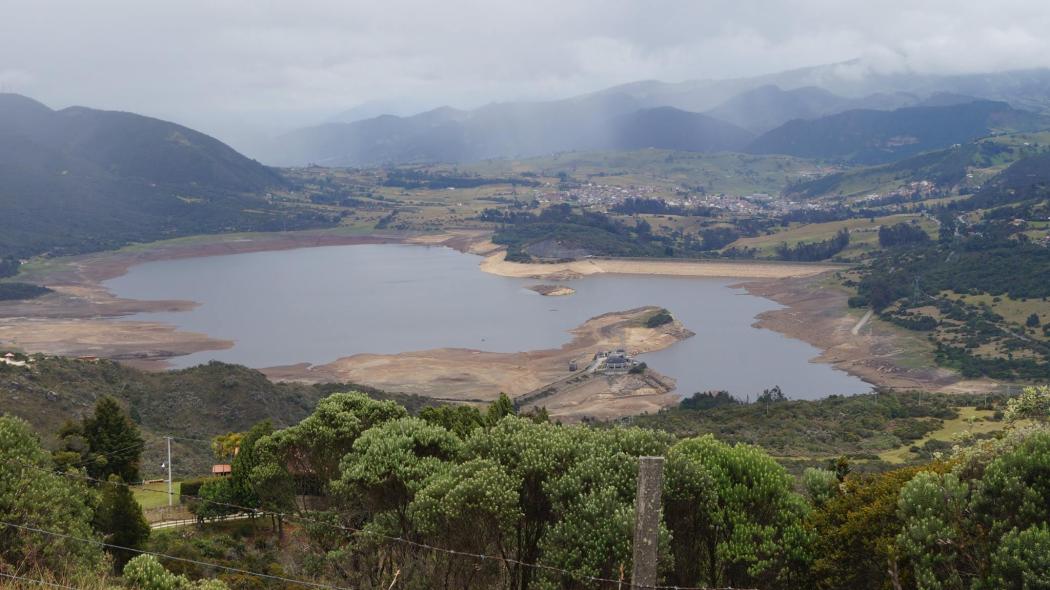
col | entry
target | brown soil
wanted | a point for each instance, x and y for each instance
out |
(880, 353)
(476, 376)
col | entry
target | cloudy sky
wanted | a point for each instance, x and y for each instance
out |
(230, 65)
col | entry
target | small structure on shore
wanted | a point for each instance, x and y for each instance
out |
(573, 366)
(613, 360)
(221, 469)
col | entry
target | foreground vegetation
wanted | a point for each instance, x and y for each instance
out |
(360, 493)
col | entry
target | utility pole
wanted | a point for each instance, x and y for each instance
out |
(647, 522)
(170, 498)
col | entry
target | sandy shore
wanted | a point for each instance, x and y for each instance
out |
(466, 375)
(496, 264)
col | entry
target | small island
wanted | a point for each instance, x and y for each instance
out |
(552, 290)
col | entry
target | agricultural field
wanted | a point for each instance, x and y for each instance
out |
(148, 498)
(730, 173)
(864, 234)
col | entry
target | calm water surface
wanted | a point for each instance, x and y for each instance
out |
(319, 304)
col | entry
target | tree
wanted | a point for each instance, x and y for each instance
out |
(1032, 404)
(1014, 491)
(856, 533)
(500, 408)
(471, 507)
(459, 419)
(313, 448)
(246, 460)
(226, 446)
(736, 520)
(119, 518)
(933, 510)
(1021, 562)
(33, 495)
(391, 462)
(114, 442)
(1032, 321)
(146, 573)
(820, 485)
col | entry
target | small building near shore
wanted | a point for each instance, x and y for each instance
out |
(221, 469)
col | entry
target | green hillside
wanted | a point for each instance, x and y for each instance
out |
(79, 179)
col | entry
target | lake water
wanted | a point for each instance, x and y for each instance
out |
(320, 304)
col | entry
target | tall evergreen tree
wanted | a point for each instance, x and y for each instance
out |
(120, 520)
(114, 442)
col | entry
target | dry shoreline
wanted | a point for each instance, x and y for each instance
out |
(497, 264)
(82, 318)
(879, 354)
(466, 375)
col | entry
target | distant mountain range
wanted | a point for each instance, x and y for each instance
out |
(872, 137)
(701, 115)
(81, 179)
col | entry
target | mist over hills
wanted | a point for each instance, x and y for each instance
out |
(80, 179)
(698, 115)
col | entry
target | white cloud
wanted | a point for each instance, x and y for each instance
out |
(250, 63)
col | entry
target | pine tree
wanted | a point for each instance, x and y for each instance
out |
(120, 520)
(500, 408)
(114, 442)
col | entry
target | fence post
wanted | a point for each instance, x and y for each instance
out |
(647, 522)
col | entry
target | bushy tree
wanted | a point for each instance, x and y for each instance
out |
(1021, 561)
(314, 447)
(31, 495)
(1032, 404)
(734, 516)
(391, 462)
(856, 530)
(500, 408)
(933, 508)
(820, 485)
(244, 462)
(458, 419)
(146, 573)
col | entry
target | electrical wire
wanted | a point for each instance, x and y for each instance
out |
(172, 557)
(478, 556)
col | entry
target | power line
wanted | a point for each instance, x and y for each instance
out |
(172, 557)
(348, 529)
(36, 581)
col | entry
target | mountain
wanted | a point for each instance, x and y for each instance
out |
(1023, 89)
(506, 130)
(1025, 179)
(674, 129)
(80, 179)
(872, 137)
(758, 104)
(767, 107)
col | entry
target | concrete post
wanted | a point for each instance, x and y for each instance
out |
(647, 522)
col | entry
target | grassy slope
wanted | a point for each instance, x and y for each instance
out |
(864, 234)
(194, 404)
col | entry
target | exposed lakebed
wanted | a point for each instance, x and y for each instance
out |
(319, 304)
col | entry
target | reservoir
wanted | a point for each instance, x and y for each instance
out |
(318, 304)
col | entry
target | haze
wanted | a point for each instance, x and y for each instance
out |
(237, 69)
